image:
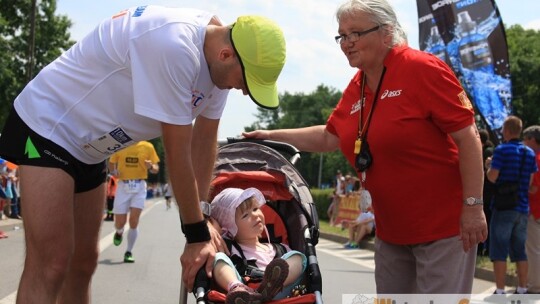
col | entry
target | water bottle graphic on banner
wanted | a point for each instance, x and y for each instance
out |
(474, 49)
(472, 58)
(435, 44)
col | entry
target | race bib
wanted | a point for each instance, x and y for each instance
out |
(108, 143)
(132, 186)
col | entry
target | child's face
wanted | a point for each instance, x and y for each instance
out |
(249, 220)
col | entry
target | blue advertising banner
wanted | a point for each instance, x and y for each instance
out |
(469, 36)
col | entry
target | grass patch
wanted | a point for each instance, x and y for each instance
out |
(485, 263)
(325, 227)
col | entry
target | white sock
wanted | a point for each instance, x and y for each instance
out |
(500, 291)
(131, 238)
(521, 290)
(120, 231)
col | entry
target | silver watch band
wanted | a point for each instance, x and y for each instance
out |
(205, 207)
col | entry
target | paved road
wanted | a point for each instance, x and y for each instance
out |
(155, 276)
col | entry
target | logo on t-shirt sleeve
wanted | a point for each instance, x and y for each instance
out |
(465, 100)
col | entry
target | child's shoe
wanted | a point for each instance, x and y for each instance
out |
(275, 275)
(242, 294)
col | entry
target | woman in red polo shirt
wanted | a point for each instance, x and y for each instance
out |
(406, 124)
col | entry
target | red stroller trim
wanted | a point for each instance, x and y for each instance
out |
(269, 183)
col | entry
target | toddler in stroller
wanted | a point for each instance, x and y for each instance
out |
(242, 222)
(290, 214)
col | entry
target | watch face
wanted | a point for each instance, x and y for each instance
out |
(473, 201)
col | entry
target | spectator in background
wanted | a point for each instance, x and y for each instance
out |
(531, 138)
(3, 235)
(131, 166)
(7, 182)
(349, 183)
(338, 190)
(489, 187)
(112, 184)
(359, 228)
(339, 183)
(512, 161)
(167, 190)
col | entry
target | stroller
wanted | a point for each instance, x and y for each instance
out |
(290, 214)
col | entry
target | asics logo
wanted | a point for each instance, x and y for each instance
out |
(388, 93)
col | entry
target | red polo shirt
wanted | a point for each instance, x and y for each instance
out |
(415, 180)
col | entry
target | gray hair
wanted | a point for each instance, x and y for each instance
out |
(532, 132)
(380, 12)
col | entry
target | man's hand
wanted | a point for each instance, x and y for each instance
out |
(195, 255)
(217, 240)
(148, 164)
(473, 226)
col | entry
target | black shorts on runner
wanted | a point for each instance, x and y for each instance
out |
(22, 146)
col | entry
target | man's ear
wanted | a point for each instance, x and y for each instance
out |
(226, 53)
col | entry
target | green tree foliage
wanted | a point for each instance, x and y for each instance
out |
(524, 53)
(303, 110)
(51, 39)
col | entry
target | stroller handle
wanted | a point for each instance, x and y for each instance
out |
(201, 285)
(276, 145)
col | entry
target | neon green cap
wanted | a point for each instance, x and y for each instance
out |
(260, 45)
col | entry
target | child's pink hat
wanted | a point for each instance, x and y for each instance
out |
(223, 207)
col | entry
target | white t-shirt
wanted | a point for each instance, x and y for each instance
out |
(143, 66)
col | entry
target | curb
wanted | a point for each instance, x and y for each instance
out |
(479, 273)
(10, 225)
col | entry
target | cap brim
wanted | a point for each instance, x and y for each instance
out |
(263, 95)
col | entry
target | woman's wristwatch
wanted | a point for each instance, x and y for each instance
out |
(471, 201)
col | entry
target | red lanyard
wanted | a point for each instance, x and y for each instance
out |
(362, 130)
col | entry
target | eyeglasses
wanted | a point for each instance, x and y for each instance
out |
(354, 36)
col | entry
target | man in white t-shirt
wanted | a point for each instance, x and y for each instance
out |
(146, 72)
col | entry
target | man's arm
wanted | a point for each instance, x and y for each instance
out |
(473, 220)
(177, 144)
(178, 147)
(492, 174)
(152, 163)
(204, 149)
(152, 167)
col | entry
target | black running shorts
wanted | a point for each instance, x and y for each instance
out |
(22, 146)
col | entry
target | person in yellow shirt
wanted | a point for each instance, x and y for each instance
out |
(131, 167)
